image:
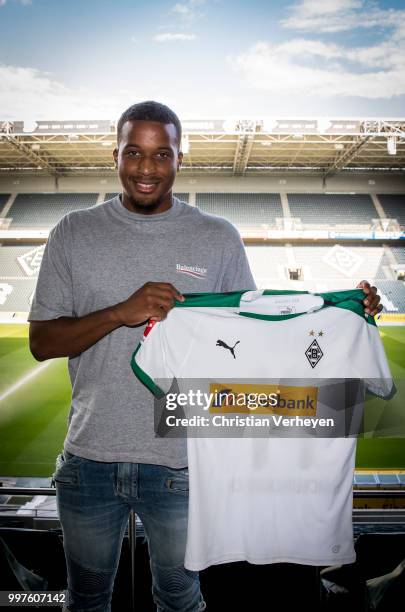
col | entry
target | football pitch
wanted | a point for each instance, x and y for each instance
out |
(35, 400)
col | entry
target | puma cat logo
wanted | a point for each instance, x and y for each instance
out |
(230, 348)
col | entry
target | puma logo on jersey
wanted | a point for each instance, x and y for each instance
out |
(230, 348)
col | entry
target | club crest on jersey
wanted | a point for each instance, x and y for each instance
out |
(229, 348)
(314, 353)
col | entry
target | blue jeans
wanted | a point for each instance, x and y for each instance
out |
(94, 502)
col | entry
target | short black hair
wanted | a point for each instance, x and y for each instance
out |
(149, 111)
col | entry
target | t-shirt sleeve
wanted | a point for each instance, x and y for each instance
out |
(237, 274)
(150, 361)
(53, 296)
(372, 365)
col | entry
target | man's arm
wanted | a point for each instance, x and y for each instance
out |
(70, 336)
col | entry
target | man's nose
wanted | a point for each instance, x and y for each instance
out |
(146, 165)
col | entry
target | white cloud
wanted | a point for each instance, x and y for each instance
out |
(310, 67)
(340, 15)
(29, 94)
(182, 9)
(23, 2)
(189, 9)
(173, 37)
(287, 69)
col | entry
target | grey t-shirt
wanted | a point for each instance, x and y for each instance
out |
(98, 257)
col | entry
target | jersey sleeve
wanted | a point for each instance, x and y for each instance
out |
(53, 296)
(150, 361)
(372, 365)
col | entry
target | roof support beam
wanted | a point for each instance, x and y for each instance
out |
(38, 160)
(242, 153)
(347, 155)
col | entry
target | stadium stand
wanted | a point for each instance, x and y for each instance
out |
(300, 266)
(181, 195)
(394, 206)
(46, 209)
(339, 262)
(3, 199)
(268, 264)
(392, 295)
(20, 261)
(385, 267)
(332, 209)
(242, 208)
(399, 254)
(16, 295)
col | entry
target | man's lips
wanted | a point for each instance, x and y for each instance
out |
(145, 186)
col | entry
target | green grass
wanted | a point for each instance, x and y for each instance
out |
(33, 417)
(386, 418)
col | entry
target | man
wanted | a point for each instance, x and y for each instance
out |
(105, 272)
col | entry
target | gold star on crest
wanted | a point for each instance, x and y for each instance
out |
(312, 333)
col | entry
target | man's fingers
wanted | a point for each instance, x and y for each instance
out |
(365, 285)
(372, 298)
(161, 297)
(167, 287)
(375, 307)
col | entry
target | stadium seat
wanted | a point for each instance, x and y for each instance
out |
(46, 209)
(332, 209)
(394, 291)
(394, 206)
(3, 199)
(242, 208)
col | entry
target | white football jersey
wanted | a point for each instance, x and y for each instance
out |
(275, 483)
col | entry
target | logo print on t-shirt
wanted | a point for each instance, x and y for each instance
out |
(230, 348)
(314, 353)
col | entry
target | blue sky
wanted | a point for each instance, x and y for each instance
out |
(91, 59)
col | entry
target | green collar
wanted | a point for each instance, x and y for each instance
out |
(348, 300)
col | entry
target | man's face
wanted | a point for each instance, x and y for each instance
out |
(148, 159)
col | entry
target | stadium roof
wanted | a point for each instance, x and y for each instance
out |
(215, 146)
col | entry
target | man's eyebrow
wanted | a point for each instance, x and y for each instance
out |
(136, 146)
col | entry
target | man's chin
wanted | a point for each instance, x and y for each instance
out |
(147, 204)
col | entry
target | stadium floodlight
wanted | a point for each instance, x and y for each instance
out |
(392, 145)
(339, 146)
(35, 147)
(107, 143)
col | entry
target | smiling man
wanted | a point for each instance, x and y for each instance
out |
(105, 272)
(148, 158)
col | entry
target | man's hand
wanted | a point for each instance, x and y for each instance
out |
(151, 301)
(371, 303)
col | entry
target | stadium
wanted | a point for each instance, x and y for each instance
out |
(320, 206)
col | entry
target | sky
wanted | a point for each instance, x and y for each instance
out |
(91, 59)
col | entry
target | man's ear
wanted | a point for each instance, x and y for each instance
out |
(179, 160)
(115, 156)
